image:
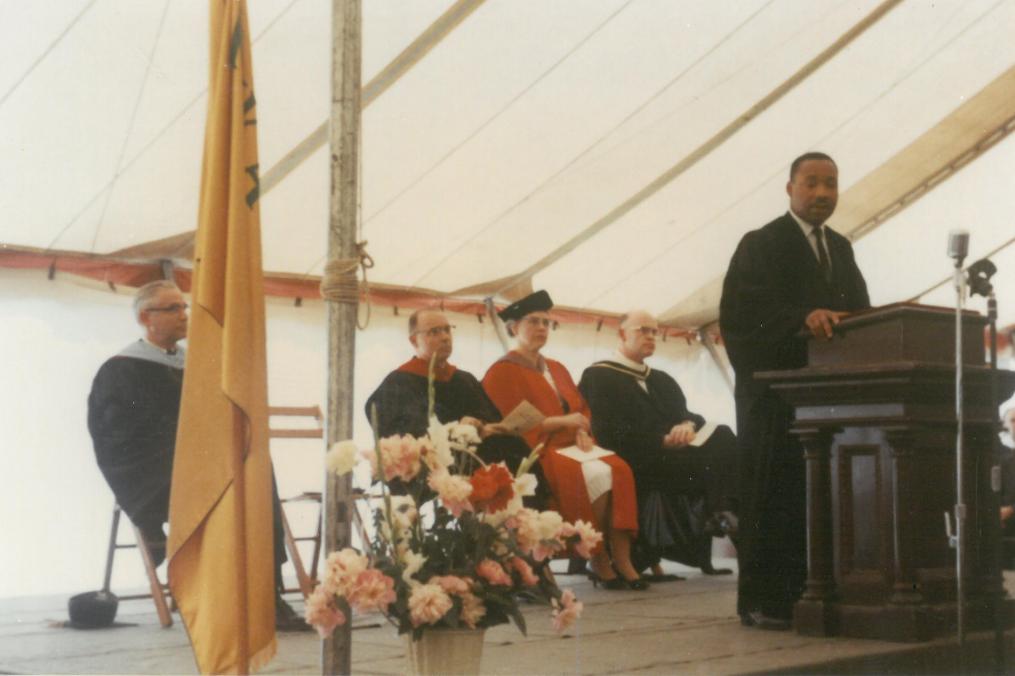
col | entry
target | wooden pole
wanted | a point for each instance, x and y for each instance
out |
(336, 657)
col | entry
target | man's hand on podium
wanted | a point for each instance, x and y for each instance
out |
(821, 323)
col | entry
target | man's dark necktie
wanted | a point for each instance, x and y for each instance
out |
(823, 262)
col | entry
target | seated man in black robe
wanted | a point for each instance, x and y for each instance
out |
(686, 482)
(133, 410)
(401, 401)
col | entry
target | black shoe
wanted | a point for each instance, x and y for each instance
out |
(662, 577)
(615, 583)
(637, 584)
(286, 619)
(758, 620)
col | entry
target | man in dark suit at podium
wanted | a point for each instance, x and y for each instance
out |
(790, 276)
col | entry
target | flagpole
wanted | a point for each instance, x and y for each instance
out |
(336, 655)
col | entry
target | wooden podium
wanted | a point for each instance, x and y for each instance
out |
(875, 412)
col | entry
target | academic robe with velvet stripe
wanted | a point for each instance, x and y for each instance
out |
(401, 402)
(509, 382)
(401, 399)
(773, 282)
(633, 421)
(132, 413)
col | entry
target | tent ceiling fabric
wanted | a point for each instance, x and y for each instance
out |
(519, 129)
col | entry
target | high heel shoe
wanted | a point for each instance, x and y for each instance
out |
(613, 584)
(637, 584)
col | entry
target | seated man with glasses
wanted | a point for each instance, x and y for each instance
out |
(684, 471)
(133, 410)
(401, 399)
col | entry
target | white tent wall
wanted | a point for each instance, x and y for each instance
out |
(55, 505)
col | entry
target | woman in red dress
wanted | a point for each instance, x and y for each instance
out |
(525, 375)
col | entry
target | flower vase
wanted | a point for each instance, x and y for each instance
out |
(445, 651)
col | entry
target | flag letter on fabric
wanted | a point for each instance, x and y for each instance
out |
(221, 567)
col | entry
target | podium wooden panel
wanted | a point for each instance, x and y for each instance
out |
(875, 412)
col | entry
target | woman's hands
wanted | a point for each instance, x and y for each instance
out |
(572, 421)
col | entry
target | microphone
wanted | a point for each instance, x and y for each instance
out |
(958, 245)
(979, 274)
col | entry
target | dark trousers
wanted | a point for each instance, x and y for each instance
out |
(772, 548)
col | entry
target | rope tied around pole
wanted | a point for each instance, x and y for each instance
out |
(340, 283)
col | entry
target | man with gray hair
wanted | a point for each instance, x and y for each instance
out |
(133, 408)
(684, 470)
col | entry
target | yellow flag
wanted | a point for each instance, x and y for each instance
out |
(221, 567)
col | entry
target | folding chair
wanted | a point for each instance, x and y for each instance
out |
(159, 591)
(306, 576)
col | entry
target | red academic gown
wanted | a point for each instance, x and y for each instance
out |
(511, 380)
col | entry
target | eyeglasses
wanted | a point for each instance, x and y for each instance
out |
(538, 321)
(175, 307)
(645, 330)
(438, 330)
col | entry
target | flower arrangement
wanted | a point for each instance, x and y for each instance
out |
(455, 545)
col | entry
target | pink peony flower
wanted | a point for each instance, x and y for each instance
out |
(452, 584)
(400, 456)
(549, 525)
(428, 603)
(493, 572)
(322, 613)
(566, 611)
(588, 537)
(372, 590)
(524, 570)
(525, 524)
(341, 569)
(453, 490)
(473, 610)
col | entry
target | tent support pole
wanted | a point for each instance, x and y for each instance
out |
(346, 55)
(709, 343)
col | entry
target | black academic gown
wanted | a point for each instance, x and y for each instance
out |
(693, 482)
(772, 284)
(132, 412)
(401, 404)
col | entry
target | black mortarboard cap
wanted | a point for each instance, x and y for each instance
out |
(92, 610)
(539, 301)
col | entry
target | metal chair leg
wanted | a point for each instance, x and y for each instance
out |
(306, 586)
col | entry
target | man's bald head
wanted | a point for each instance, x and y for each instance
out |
(430, 333)
(638, 329)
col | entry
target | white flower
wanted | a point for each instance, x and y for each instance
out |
(462, 437)
(550, 524)
(442, 455)
(526, 484)
(342, 457)
(413, 562)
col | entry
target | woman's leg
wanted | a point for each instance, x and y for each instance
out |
(600, 561)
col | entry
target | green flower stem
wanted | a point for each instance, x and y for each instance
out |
(385, 490)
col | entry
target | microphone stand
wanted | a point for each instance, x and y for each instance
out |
(960, 502)
(995, 486)
(980, 273)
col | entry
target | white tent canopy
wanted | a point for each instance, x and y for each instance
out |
(524, 125)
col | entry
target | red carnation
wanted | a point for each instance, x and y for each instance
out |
(492, 488)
